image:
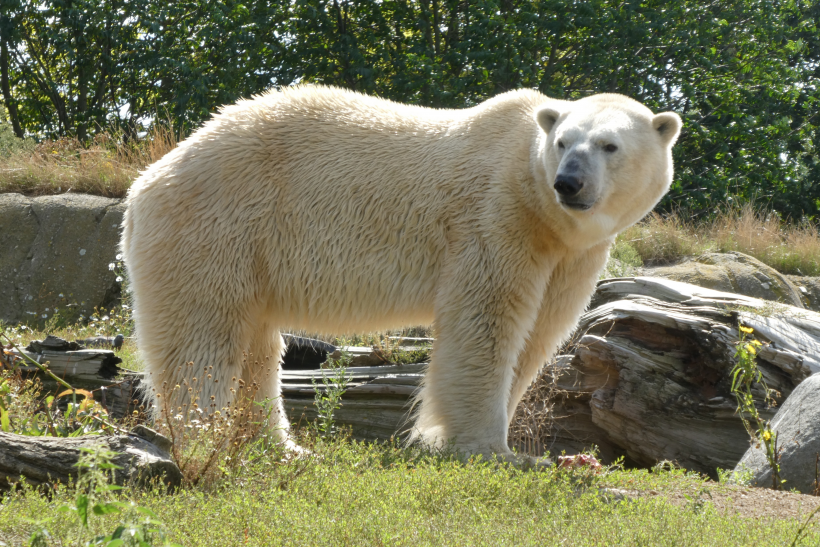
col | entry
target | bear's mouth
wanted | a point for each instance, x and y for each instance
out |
(577, 205)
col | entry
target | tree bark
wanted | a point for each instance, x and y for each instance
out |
(650, 372)
(142, 455)
(11, 104)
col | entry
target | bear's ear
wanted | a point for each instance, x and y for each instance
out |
(668, 124)
(546, 118)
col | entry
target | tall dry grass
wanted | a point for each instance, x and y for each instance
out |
(105, 167)
(791, 248)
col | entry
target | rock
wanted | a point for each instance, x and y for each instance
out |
(797, 425)
(732, 272)
(809, 288)
(55, 255)
(649, 377)
(141, 455)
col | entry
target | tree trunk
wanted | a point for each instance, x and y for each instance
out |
(11, 105)
(97, 371)
(142, 455)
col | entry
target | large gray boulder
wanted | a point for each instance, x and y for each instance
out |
(797, 425)
(809, 288)
(732, 272)
(55, 255)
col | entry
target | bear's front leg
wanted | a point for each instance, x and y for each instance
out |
(485, 308)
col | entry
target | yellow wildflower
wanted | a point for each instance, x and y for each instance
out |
(747, 330)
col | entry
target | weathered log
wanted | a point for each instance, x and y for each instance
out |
(649, 377)
(94, 370)
(375, 405)
(142, 455)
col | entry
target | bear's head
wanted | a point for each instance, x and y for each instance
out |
(608, 161)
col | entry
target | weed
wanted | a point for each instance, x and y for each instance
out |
(533, 424)
(740, 477)
(744, 374)
(106, 167)
(328, 395)
(139, 526)
(791, 248)
(207, 442)
(623, 261)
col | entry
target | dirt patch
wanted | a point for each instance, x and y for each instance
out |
(743, 501)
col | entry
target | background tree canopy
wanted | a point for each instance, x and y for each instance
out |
(742, 73)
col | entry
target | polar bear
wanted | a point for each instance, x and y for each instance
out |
(326, 210)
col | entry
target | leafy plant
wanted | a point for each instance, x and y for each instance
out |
(623, 260)
(328, 395)
(744, 374)
(138, 526)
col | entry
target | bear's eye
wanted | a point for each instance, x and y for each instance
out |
(610, 148)
(561, 145)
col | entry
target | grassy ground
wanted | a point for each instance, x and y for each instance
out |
(348, 493)
(354, 494)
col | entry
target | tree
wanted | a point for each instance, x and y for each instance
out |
(743, 73)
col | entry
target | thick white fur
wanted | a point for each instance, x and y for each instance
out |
(321, 209)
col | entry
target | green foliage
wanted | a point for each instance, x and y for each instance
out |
(744, 374)
(328, 396)
(139, 526)
(9, 142)
(623, 260)
(742, 73)
(381, 494)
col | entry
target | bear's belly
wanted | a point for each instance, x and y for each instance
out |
(355, 290)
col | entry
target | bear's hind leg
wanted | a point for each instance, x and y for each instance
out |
(190, 364)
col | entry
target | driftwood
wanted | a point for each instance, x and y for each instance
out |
(95, 370)
(648, 379)
(376, 404)
(650, 375)
(142, 455)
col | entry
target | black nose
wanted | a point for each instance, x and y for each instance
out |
(567, 185)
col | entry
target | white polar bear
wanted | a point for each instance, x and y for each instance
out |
(326, 210)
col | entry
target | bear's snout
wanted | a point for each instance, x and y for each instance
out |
(568, 185)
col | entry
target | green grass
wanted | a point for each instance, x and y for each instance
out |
(357, 494)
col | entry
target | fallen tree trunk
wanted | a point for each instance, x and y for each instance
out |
(94, 370)
(375, 405)
(141, 455)
(649, 377)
